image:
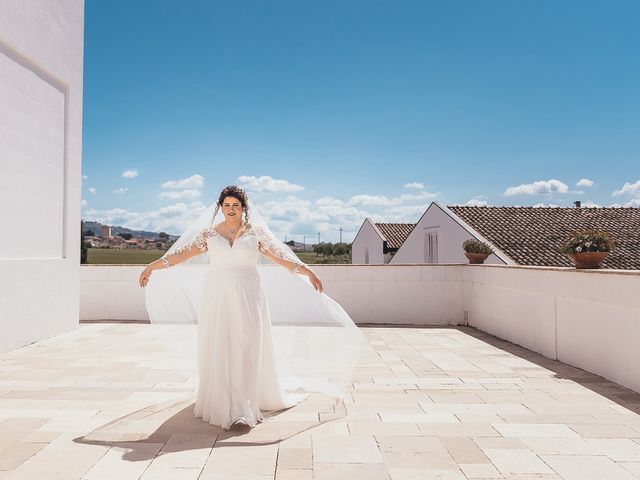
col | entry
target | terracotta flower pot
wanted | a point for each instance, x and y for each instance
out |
(588, 259)
(476, 258)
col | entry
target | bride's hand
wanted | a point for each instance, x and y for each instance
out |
(144, 276)
(315, 281)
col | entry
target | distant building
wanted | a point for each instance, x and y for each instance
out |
(93, 241)
(105, 231)
(378, 242)
(132, 243)
(438, 236)
(114, 242)
(518, 235)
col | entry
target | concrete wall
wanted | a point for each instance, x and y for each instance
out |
(367, 237)
(41, 55)
(451, 235)
(370, 294)
(587, 319)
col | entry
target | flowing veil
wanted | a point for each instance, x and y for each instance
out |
(316, 343)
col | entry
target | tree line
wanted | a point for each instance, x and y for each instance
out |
(327, 249)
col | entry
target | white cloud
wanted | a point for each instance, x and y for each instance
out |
(477, 201)
(83, 203)
(383, 200)
(92, 190)
(410, 197)
(173, 219)
(634, 202)
(541, 187)
(416, 185)
(188, 194)
(121, 190)
(542, 205)
(590, 204)
(629, 189)
(369, 200)
(585, 182)
(293, 216)
(130, 174)
(328, 201)
(403, 213)
(194, 181)
(266, 183)
(286, 214)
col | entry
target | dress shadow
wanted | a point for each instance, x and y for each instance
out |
(173, 425)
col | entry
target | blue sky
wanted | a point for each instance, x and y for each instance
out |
(329, 112)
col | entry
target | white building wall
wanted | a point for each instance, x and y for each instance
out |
(367, 238)
(450, 233)
(41, 57)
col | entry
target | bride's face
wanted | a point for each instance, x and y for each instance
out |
(232, 209)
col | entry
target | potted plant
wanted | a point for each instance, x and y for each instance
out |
(476, 251)
(588, 248)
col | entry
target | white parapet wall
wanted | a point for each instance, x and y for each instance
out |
(589, 319)
(404, 294)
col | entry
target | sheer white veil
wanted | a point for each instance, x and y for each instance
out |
(316, 343)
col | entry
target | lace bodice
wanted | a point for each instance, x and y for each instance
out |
(244, 251)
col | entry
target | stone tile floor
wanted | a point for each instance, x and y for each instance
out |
(102, 402)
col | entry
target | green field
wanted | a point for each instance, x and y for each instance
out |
(114, 256)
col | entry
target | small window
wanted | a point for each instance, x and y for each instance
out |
(366, 255)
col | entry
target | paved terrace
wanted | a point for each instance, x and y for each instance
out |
(427, 403)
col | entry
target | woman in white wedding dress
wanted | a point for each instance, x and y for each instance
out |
(238, 378)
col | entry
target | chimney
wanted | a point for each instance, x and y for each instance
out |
(577, 204)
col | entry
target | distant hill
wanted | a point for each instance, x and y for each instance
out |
(95, 226)
(297, 246)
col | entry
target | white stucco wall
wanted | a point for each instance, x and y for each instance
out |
(41, 58)
(589, 319)
(451, 235)
(367, 237)
(407, 294)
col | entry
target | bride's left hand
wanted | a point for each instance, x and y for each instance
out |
(315, 281)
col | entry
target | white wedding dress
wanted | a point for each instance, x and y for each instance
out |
(236, 361)
(265, 338)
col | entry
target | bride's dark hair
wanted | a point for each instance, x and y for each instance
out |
(237, 193)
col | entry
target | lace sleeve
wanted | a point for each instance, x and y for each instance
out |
(268, 243)
(199, 243)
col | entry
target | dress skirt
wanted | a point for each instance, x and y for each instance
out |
(238, 380)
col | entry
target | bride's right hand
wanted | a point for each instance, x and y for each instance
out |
(144, 276)
(315, 281)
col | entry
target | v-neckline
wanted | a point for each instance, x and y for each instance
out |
(230, 244)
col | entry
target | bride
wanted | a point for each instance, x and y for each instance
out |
(239, 374)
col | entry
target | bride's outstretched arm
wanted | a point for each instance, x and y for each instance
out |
(195, 248)
(289, 261)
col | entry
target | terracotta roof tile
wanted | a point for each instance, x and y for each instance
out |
(534, 235)
(395, 233)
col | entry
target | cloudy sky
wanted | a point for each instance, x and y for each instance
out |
(329, 112)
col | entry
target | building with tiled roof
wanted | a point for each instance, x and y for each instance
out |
(535, 235)
(378, 242)
(518, 235)
(395, 233)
